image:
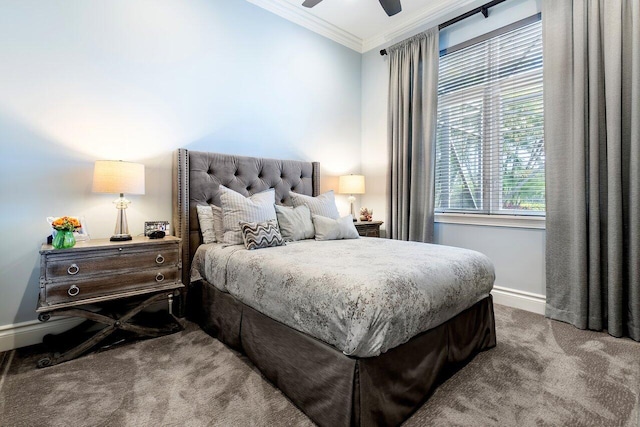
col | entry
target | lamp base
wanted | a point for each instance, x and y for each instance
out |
(120, 237)
(352, 199)
(121, 233)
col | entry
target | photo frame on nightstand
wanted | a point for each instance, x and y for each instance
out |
(151, 226)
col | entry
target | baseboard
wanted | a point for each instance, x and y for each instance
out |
(519, 299)
(28, 333)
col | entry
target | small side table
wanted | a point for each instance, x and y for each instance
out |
(126, 276)
(368, 228)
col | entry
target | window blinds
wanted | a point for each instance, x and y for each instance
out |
(490, 135)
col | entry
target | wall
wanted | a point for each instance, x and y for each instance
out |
(134, 80)
(518, 254)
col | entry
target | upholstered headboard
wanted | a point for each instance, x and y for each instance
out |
(197, 176)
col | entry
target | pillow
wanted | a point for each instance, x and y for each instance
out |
(324, 204)
(258, 235)
(295, 223)
(334, 229)
(205, 217)
(218, 225)
(236, 208)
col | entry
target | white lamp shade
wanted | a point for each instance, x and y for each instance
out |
(116, 176)
(351, 184)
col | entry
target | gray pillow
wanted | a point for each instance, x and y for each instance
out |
(324, 204)
(205, 218)
(295, 223)
(334, 229)
(236, 208)
(259, 235)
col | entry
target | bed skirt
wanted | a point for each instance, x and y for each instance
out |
(338, 390)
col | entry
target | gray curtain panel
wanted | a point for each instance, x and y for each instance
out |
(412, 113)
(592, 137)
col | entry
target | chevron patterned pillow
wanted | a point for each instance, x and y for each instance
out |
(258, 235)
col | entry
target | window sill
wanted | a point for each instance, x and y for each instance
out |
(514, 221)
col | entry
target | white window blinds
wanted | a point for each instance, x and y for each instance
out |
(490, 141)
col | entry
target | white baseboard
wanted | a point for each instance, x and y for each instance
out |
(28, 333)
(519, 299)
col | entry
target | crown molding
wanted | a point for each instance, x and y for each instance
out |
(435, 12)
(432, 13)
(307, 20)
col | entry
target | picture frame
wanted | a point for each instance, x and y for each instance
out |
(150, 226)
(81, 234)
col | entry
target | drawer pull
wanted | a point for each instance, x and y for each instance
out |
(73, 269)
(159, 277)
(159, 259)
(73, 290)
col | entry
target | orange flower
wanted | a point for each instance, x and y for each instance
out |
(66, 223)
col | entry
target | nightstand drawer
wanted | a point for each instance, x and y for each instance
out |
(75, 290)
(95, 264)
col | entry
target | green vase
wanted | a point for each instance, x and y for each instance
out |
(64, 240)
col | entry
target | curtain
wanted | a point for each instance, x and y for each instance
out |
(412, 113)
(592, 137)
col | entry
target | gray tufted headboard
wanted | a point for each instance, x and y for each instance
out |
(197, 175)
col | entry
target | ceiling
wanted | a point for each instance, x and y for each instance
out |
(361, 24)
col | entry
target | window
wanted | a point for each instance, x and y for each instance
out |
(490, 140)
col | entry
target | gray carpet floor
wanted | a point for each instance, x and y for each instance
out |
(542, 373)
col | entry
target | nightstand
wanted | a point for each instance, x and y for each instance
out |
(368, 228)
(126, 276)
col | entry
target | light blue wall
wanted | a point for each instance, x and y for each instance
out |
(134, 80)
(518, 254)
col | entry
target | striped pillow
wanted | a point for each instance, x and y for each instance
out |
(323, 205)
(258, 235)
(235, 208)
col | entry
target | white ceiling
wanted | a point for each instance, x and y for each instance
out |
(361, 24)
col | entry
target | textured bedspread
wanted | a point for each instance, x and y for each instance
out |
(362, 296)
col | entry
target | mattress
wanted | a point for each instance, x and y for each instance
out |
(362, 296)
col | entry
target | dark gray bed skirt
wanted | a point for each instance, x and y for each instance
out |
(334, 389)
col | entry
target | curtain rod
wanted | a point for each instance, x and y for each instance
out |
(484, 9)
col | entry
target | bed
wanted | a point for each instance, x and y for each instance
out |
(338, 377)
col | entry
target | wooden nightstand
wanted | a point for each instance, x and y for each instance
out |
(368, 228)
(76, 281)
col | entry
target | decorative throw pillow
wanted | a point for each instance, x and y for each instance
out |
(324, 204)
(295, 223)
(334, 229)
(218, 225)
(258, 235)
(205, 217)
(235, 208)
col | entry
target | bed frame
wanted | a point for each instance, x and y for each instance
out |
(331, 388)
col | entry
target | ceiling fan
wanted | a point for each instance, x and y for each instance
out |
(390, 6)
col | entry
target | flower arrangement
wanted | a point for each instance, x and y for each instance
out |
(66, 223)
(366, 214)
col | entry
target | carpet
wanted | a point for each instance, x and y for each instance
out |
(542, 373)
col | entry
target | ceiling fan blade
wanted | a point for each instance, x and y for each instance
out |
(310, 3)
(391, 6)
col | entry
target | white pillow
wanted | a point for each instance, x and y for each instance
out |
(235, 208)
(205, 218)
(334, 229)
(324, 204)
(218, 225)
(295, 223)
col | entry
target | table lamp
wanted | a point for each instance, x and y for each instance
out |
(118, 177)
(351, 184)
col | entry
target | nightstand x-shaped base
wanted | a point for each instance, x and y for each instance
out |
(112, 325)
